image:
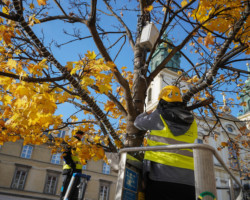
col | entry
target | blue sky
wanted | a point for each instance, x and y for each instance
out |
(70, 52)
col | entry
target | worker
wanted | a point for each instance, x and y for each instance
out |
(71, 165)
(169, 174)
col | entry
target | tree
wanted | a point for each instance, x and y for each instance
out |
(108, 95)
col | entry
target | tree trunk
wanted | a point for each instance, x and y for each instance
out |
(139, 89)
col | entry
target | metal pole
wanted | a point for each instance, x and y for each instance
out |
(204, 173)
(83, 184)
(70, 186)
(231, 189)
(83, 189)
(121, 174)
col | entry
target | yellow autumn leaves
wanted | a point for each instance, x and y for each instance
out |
(83, 149)
(215, 16)
(228, 13)
(93, 72)
(42, 2)
(28, 108)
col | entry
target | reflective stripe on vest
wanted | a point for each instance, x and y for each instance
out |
(182, 158)
(76, 161)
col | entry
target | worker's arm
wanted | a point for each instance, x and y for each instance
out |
(151, 121)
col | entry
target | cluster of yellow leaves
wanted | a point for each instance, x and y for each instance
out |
(245, 143)
(194, 79)
(118, 144)
(6, 33)
(228, 12)
(33, 20)
(93, 72)
(27, 107)
(243, 104)
(121, 129)
(87, 149)
(128, 75)
(149, 8)
(42, 2)
(5, 137)
(111, 108)
(209, 39)
(93, 150)
(184, 3)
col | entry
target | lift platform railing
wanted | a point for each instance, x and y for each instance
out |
(203, 168)
(82, 186)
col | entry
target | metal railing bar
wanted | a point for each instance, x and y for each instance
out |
(183, 146)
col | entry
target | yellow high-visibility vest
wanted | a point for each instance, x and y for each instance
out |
(76, 161)
(182, 158)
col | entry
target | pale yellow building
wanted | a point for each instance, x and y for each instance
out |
(31, 172)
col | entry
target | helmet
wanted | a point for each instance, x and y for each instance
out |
(170, 93)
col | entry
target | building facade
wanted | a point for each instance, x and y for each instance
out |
(32, 172)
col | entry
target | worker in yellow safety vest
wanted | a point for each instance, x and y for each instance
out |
(169, 174)
(71, 164)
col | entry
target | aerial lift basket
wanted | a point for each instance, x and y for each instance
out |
(82, 186)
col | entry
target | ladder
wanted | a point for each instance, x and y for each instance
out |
(82, 186)
(205, 182)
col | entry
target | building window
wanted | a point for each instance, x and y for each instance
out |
(56, 158)
(150, 94)
(84, 167)
(61, 134)
(27, 151)
(51, 182)
(230, 128)
(19, 177)
(104, 190)
(105, 168)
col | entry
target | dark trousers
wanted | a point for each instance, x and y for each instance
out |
(168, 191)
(74, 190)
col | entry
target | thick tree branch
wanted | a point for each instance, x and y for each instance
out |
(11, 17)
(235, 69)
(31, 79)
(60, 7)
(63, 17)
(233, 53)
(201, 104)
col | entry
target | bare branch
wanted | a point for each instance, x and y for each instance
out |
(131, 41)
(60, 7)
